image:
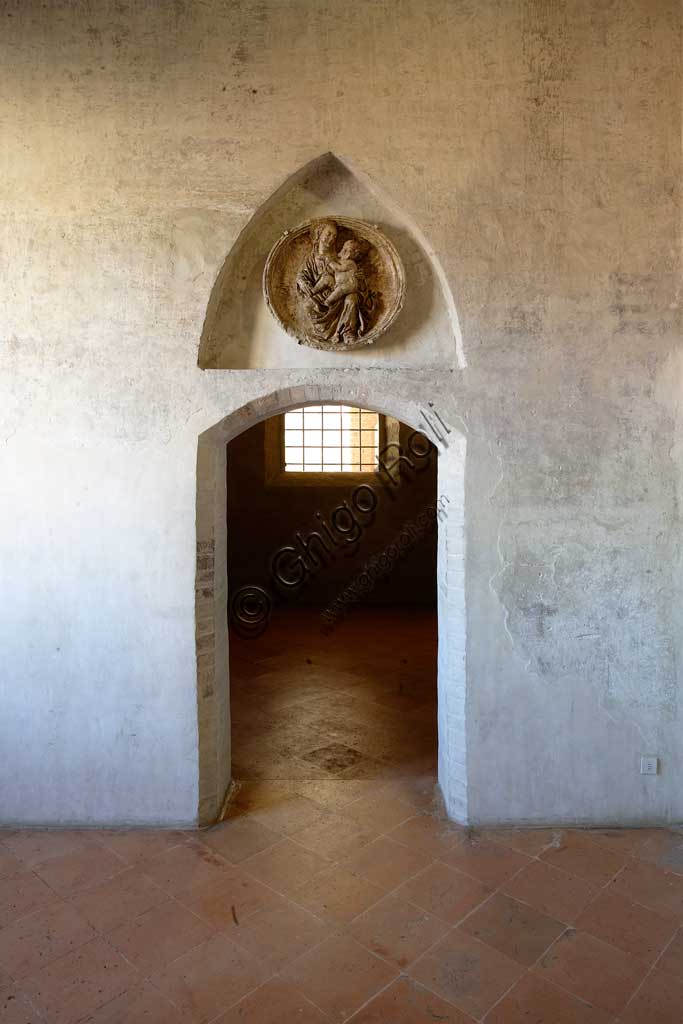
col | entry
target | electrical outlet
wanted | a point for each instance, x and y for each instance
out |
(649, 766)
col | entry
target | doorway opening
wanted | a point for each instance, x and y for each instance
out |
(332, 515)
(355, 641)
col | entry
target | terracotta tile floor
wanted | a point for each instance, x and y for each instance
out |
(335, 890)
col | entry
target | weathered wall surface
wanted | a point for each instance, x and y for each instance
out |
(538, 147)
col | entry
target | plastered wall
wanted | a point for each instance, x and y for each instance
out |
(538, 147)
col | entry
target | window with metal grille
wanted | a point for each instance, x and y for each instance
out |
(331, 439)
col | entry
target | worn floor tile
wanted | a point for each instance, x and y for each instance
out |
(534, 1001)
(143, 1004)
(642, 882)
(133, 845)
(491, 863)
(466, 972)
(185, 866)
(579, 855)
(335, 836)
(405, 1002)
(636, 929)
(280, 933)
(428, 835)
(239, 838)
(276, 1002)
(592, 970)
(15, 1008)
(339, 976)
(232, 902)
(337, 896)
(386, 863)
(32, 942)
(397, 931)
(658, 1001)
(74, 985)
(551, 891)
(159, 936)
(445, 892)
(379, 812)
(119, 899)
(210, 978)
(672, 958)
(85, 867)
(285, 866)
(21, 894)
(513, 928)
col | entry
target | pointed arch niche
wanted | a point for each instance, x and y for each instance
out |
(240, 334)
(213, 586)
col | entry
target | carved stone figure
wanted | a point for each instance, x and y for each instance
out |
(334, 284)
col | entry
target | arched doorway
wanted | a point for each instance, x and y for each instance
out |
(212, 585)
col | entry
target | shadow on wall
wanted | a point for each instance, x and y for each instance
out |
(240, 333)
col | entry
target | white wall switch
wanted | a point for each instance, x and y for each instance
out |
(649, 766)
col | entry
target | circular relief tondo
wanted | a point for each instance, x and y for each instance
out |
(334, 283)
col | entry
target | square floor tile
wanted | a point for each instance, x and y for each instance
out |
(592, 970)
(397, 931)
(209, 979)
(185, 866)
(551, 891)
(337, 896)
(69, 988)
(379, 812)
(335, 837)
(21, 894)
(339, 976)
(120, 899)
(280, 933)
(665, 849)
(15, 1008)
(635, 929)
(334, 757)
(232, 902)
(445, 892)
(9, 864)
(513, 928)
(672, 959)
(659, 1001)
(491, 863)
(285, 866)
(239, 838)
(133, 845)
(531, 841)
(642, 882)
(386, 863)
(466, 972)
(35, 846)
(142, 1004)
(31, 942)
(429, 835)
(406, 1002)
(85, 867)
(290, 814)
(534, 1001)
(579, 855)
(274, 1003)
(159, 936)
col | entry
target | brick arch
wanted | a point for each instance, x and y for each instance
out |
(211, 588)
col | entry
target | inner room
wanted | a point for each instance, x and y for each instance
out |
(332, 545)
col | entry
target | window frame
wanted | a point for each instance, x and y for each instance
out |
(277, 476)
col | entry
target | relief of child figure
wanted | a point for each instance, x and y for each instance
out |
(339, 300)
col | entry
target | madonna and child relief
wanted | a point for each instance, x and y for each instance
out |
(335, 283)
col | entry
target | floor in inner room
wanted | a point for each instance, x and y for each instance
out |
(335, 890)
